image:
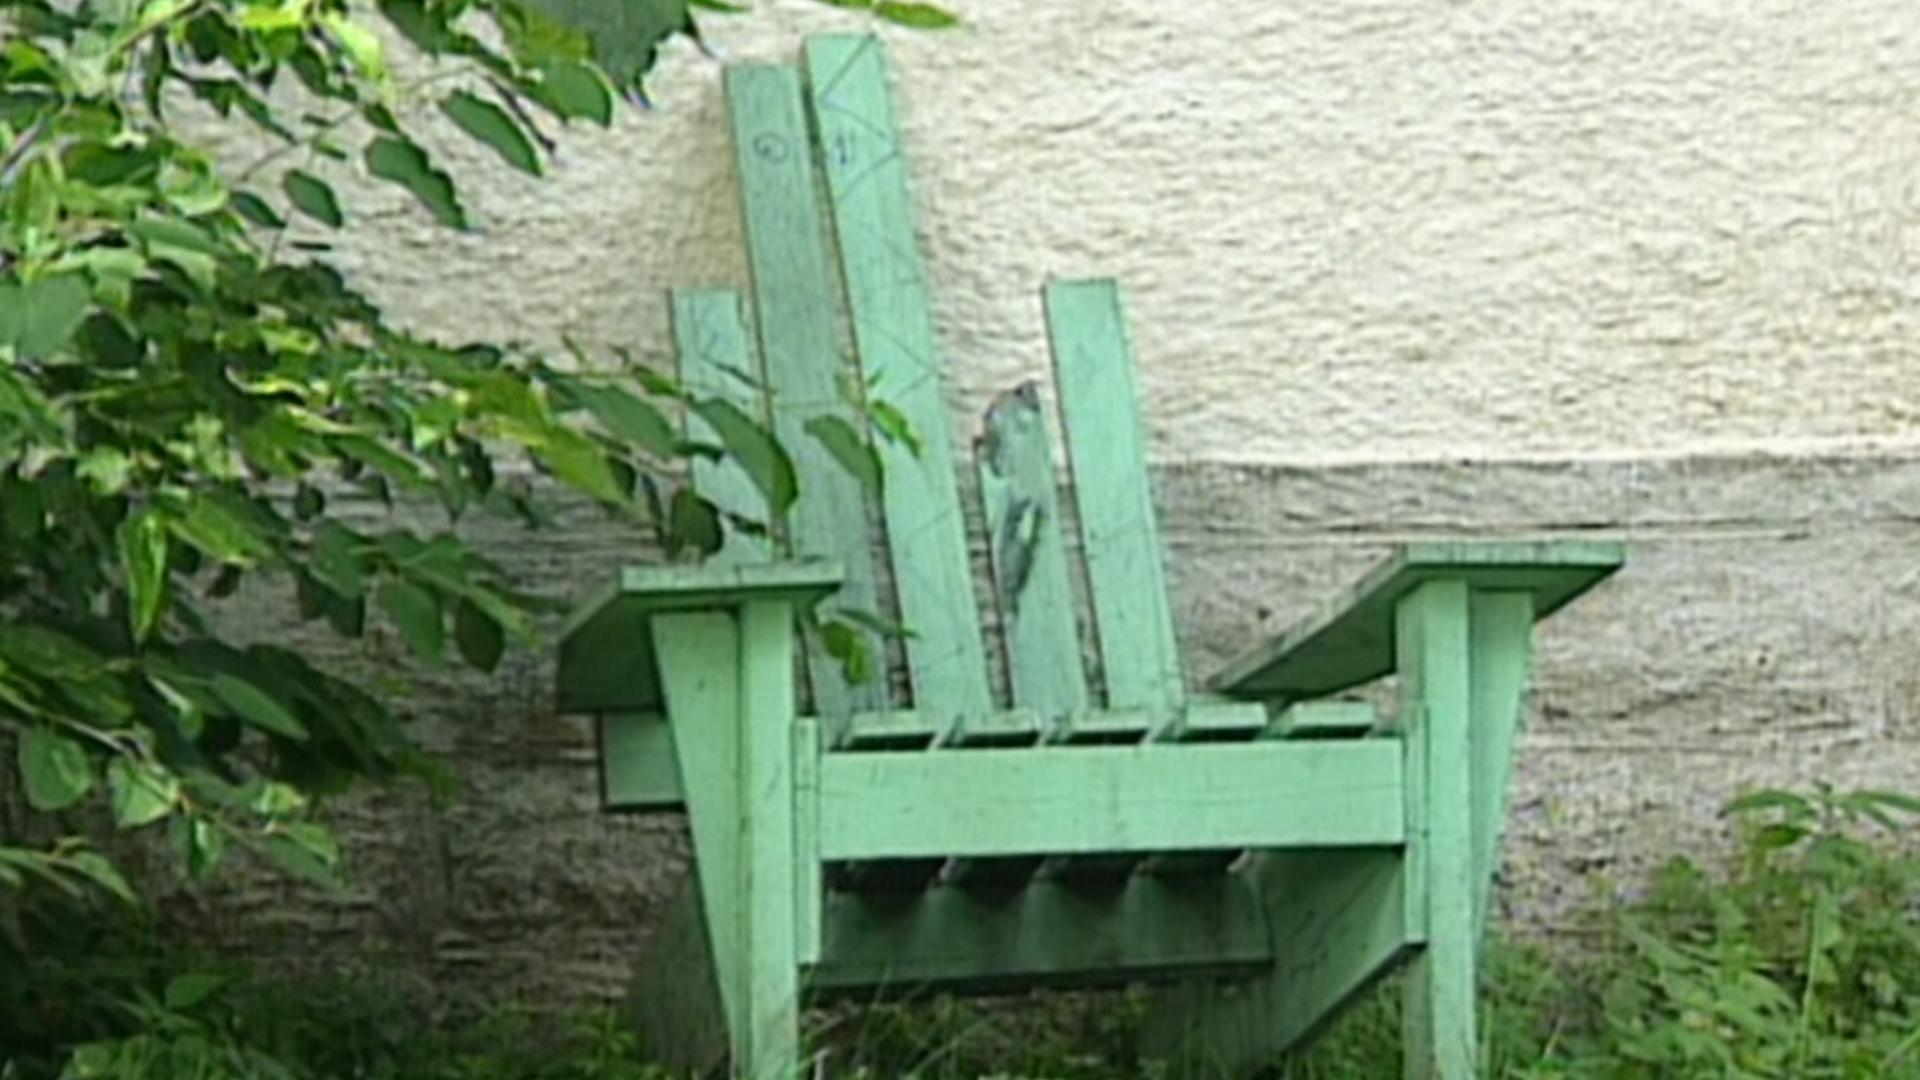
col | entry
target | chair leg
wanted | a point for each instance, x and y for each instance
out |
(1433, 627)
(1463, 664)
(769, 971)
(728, 682)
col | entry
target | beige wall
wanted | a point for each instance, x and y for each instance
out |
(1350, 231)
(1450, 267)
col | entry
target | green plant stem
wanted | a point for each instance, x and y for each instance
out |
(1907, 1046)
(17, 154)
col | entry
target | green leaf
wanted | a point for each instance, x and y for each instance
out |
(305, 849)
(54, 770)
(490, 124)
(1906, 803)
(48, 312)
(98, 869)
(404, 163)
(847, 447)
(202, 842)
(255, 706)
(141, 793)
(576, 459)
(106, 468)
(187, 990)
(894, 424)
(766, 464)
(268, 17)
(381, 117)
(693, 523)
(573, 90)
(388, 462)
(337, 562)
(480, 639)
(846, 645)
(175, 233)
(143, 557)
(427, 30)
(313, 197)
(917, 15)
(624, 36)
(24, 407)
(417, 614)
(47, 653)
(255, 209)
(627, 418)
(1778, 835)
(361, 45)
(13, 313)
(219, 530)
(1795, 807)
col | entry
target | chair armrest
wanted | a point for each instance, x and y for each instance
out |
(1350, 640)
(606, 648)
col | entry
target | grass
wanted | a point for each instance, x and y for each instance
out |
(1799, 958)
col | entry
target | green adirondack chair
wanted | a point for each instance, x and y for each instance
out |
(1258, 852)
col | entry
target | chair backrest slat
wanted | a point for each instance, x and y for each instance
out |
(866, 181)
(1093, 369)
(1031, 587)
(793, 305)
(716, 361)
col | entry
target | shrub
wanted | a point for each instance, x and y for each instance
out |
(1799, 958)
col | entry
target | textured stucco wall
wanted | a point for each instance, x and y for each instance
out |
(1396, 269)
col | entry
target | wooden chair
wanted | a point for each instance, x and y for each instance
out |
(1259, 852)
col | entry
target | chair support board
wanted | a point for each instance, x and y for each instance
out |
(1261, 853)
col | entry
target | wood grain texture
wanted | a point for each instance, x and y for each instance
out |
(1366, 852)
(1031, 590)
(700, 662)
(1093, 368)
(1324, 720)
(1338, 923)
(1047, 934)
(767, 972)
(1434, 644)
(800, 350)
(1350, 640)
(886, 290)
(638, 768)
(809, 869)
(607, 661)
(729, 684)
(995, 730)
(1072, 800)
